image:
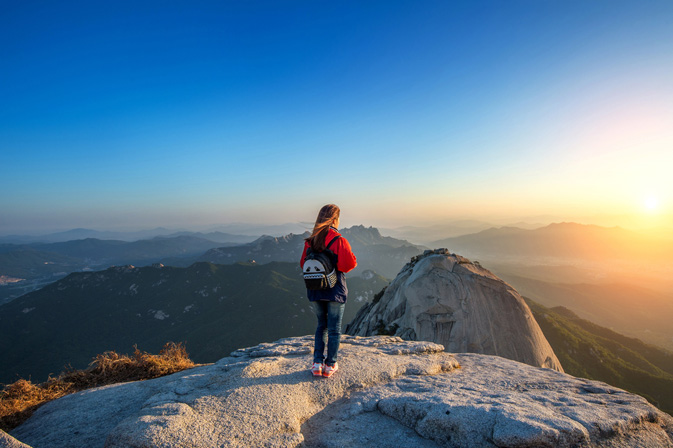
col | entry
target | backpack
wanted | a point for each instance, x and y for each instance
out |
(320, 268)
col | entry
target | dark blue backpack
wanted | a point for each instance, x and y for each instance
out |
(320, 268)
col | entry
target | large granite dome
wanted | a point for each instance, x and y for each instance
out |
(447, 299)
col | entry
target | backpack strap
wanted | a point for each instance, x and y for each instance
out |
(333, 240)
(309, 250)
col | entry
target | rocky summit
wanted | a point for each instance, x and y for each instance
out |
(447, 299)
(387, 393)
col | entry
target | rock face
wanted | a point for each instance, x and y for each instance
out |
(387, 393)
(444, 298)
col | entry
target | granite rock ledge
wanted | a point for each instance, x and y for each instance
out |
(388, 393)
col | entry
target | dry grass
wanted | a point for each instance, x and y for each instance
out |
(19, 400)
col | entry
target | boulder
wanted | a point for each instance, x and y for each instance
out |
(387, 393)
(447, 299)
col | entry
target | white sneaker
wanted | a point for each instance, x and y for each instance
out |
(329, 370)
(316, 369)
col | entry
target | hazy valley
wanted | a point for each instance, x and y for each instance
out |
(37, 264)
(27, 267)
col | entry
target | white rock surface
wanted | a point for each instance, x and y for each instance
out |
(387, 393)
(444, 298)
(7, 441)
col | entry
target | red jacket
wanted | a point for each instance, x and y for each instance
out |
(346, 261)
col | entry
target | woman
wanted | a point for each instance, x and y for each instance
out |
(328, 304)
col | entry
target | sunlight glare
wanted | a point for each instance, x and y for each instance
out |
(651, 203)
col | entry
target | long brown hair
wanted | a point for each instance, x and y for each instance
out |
(326, 217)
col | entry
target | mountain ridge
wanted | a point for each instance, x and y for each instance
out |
(611, 305)
(382, 254)
(564, 240)
(35, 264)
(214, 308)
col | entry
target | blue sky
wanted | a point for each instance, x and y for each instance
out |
(139, 114)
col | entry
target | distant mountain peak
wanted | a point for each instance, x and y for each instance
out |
(361, 228)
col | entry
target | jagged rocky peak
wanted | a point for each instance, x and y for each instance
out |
(387, 393)
(443, 297)
(362, 230)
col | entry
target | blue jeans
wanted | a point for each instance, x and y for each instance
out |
(329, 316)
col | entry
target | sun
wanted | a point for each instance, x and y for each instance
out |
(651, 203)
